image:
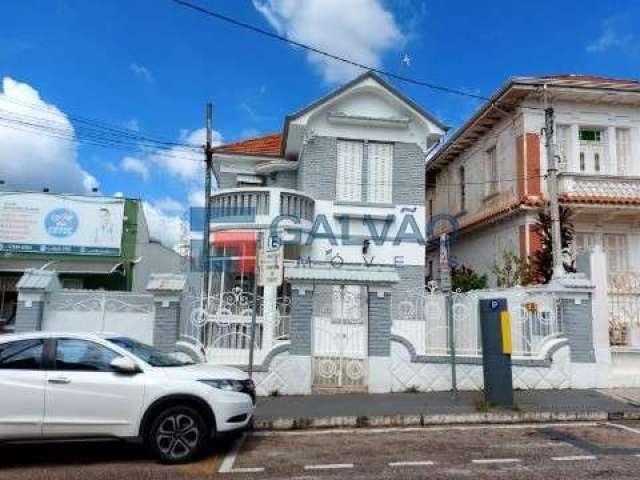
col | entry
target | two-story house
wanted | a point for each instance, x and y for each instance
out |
(341, 189)
(490, 175)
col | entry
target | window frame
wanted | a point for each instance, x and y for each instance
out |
(54, 355)
(43, 355)
(387, 185)
(492, 187)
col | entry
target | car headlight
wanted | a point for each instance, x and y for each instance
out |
(226, 384)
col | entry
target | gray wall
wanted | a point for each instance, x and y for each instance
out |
(228, 180)
(285, 179)
(29, 319)
(300, 329)
(165, 331)
(578, 325)
(319, 160)
(408, 174)
(317, 169)
(411, 280)
(155, 258)
(379, 325)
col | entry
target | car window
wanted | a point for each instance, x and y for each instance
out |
(21, 355)
(83, 355)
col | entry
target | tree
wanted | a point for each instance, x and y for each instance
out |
(465, 279)
(543, 258)
(513, 270)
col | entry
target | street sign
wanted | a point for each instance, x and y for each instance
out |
(270, 267)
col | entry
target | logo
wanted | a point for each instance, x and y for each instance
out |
(61, 222)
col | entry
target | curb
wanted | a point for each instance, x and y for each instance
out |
(309, 423)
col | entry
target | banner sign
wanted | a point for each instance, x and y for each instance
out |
(56, 224)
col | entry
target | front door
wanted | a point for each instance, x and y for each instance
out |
(85, 397)
(340, 340)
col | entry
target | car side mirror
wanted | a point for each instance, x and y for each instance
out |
(125, 366)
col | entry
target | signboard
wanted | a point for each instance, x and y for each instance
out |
(270, 266)
(59, 224)
(445, 271)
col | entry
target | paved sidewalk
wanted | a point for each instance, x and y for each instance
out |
(361, 409)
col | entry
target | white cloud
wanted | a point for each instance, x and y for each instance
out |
(135, 165)
(612, 36)
(196, 198)
(141, 71)
(32, 159)
(133, 125)
(360, 30)
(166, 227)
(169, 205)
(185, 164)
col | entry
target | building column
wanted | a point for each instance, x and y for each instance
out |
(301, 349)
(379, 339)
(33, 287)
(29, 311)
(574, 148)
(167, 289)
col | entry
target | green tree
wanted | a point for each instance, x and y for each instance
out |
(465, 279)
(513, 270)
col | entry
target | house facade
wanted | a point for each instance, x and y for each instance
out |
(490, 178)
(340, 193)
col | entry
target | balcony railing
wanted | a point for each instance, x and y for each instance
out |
(260, 205)
(580, 184)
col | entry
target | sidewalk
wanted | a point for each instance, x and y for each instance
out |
(440, 408)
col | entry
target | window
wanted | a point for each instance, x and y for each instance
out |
(583, 166)
(149, 354)
(379, 163)
(463, 190)
(349, 171)
(590, 135)
(21, 355)
(563, 140)
(84, 356)
(615, 249)
(493, 179)
(623, 149)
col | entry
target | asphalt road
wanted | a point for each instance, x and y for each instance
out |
(551, 451)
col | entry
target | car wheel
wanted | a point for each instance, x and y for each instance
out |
(177, 435)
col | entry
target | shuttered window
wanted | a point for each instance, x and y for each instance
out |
(349, 172)
(379, 162)
(623, 147)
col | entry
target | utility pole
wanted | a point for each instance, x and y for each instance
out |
(552, 186)
(206, 247)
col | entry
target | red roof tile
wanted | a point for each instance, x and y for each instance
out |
(267, 145)
(599, 199)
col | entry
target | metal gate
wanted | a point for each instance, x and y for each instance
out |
(340, 339)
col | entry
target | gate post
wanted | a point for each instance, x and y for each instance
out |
(167, 289)
(300, 327)
(379, 339)
(32, 289)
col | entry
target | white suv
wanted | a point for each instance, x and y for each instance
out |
(56, 386)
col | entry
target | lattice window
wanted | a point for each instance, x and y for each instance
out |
(615, 248)
(379, 163)
(349, 171)
(563, 140)
(623, 149)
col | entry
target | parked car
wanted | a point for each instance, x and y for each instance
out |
(68, 385)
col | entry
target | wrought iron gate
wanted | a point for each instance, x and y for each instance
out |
(340, 339)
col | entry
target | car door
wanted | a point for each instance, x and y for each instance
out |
(22, 389)
(85, 397)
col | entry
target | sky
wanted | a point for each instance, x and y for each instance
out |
(150, 66)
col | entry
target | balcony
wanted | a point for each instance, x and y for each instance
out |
(596, 188)
(259, 206)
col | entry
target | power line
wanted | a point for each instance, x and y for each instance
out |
(324, 53)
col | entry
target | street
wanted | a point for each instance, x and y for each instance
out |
(550, 451)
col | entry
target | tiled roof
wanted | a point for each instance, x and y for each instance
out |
(600, 200)
(589, 79)
(267, 145)
(36, 279)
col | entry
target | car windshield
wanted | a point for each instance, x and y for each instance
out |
(152, 356)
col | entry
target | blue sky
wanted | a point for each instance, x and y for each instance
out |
(151, 65)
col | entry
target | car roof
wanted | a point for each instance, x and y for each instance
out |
(36, 335)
